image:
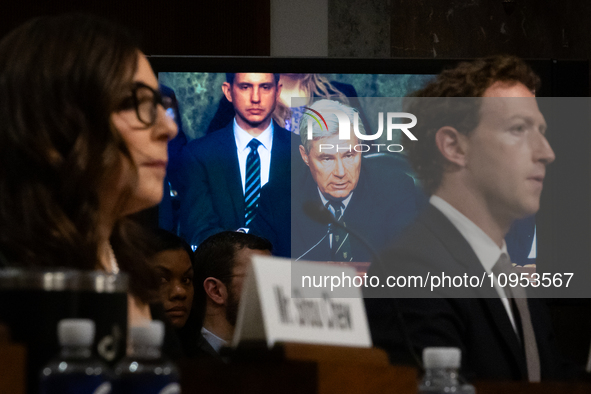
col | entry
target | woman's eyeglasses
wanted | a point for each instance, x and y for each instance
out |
(145, 100)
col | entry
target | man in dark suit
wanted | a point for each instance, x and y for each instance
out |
(239, 176)
(483, 162)
(221, 264)
(376, 201)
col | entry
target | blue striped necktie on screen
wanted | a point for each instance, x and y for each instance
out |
(252, 185)
(341, 247)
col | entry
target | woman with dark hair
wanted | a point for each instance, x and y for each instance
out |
(174, 263)
(83, 144)
(182, 305)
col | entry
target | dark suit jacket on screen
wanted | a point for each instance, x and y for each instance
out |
(212, 199)
(382, 205)
(478, 326)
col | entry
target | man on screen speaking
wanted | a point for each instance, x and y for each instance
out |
(239, 177)
(372, 200)
(481, 154)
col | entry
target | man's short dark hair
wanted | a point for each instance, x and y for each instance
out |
(467, 79)
(230, 78)
(215, 257)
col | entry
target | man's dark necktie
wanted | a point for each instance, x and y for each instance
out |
(252, 185)
(341, 246)
(517, 294)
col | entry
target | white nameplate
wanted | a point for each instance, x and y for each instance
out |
(269, 312)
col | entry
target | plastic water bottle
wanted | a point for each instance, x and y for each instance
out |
(441, 372)
(144, 371)
(75, 371)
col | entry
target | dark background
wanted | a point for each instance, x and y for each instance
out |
(178, 27)
(402, 28)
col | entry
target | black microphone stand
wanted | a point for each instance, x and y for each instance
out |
(320, 214)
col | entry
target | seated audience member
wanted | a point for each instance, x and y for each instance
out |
(221, 263)
(483, 162)
(376, 202)
(83, 144)
(173, 262)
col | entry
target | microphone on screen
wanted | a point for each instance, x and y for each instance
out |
(320, 214)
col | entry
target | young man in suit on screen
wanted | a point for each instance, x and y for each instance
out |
(239, 176)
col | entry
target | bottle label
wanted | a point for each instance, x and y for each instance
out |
(104, 388)
(172, 388)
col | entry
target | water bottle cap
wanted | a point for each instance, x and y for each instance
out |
(441, 357)
(151, 334)
(75, 332)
